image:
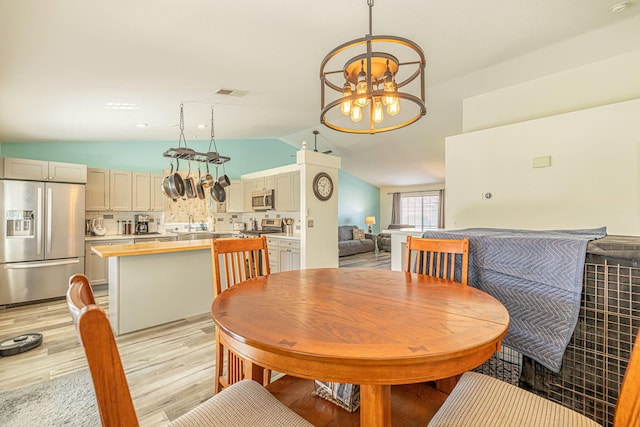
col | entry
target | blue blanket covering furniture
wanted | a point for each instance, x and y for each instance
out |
(537, 275)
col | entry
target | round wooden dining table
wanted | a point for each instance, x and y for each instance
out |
(371, 327)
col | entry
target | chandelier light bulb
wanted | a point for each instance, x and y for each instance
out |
(356, 113)
(378, 112)
(394, 107)
(389, 86)
(362, 87)
(346, 105)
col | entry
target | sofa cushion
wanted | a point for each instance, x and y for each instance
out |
(351, 247)
(345, 232)
(358, 234)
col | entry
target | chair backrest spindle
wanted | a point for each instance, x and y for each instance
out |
(437, 257)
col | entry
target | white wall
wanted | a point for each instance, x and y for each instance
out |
(593, 181)
(319, 242)
(602, 82)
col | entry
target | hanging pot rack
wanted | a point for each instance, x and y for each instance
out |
(185, 153)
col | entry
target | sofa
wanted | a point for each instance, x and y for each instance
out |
(348, 246)
(384, 239)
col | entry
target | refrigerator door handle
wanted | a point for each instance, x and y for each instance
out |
(39, 223)
(24, 265)
(49, 219)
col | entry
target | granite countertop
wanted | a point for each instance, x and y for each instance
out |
(147, 248)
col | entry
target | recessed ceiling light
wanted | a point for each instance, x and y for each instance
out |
(142, 125)
(120, 106)
(620, 7)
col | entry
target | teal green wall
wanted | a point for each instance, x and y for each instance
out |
(246, 155)
(356, 198)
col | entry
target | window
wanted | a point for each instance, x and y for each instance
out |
(421, 209)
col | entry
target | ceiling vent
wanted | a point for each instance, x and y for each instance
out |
(231, 92)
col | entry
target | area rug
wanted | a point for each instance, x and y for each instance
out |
(65, 401)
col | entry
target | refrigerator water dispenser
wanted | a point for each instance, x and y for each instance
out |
(20, 223)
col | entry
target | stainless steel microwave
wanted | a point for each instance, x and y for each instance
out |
(262, 200)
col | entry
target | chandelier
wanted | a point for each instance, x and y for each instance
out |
(373, 83)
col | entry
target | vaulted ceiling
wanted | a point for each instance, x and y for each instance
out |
(64, 61)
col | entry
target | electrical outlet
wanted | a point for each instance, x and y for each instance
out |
(310, 223)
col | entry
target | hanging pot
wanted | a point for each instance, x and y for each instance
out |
(218, 193)
(173, 184)
(207, 180)
(199, 188)
(223, 179)
(190, 185)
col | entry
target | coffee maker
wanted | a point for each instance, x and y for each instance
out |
(142, 224)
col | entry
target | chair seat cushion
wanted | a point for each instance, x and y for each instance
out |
(245, 403)
(482, 401)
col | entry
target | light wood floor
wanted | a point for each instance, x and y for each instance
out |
(170, 368)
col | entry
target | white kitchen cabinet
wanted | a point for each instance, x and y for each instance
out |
(108, 190)
(97, 191)
(284, 254)
(120, 190)
(112, 190)
(141, 191)
(256, 184)
(235, 197)
(96, 268)
(157, 196)
(42, 170)
(288, 255)
(287, 191)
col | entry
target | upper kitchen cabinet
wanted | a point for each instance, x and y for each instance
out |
(120, 190)
(287, 191)
(108, 190)
(235, 197)
(42, 170)
(157, 196)
(147, 192)
(256, 184)
(141, 191)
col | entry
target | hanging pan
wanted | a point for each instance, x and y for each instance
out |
(190, 186)
(173, 184)
(218, 193)
(198, 184)
(223, 179)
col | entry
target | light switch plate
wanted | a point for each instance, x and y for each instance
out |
(541, 162)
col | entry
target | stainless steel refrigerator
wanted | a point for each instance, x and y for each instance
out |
(41, 239)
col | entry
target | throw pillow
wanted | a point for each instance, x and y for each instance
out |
(358, 234)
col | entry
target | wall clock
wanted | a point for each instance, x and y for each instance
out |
(323, 186)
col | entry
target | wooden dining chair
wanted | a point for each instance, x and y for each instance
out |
(481, 400)
(242, 404)
(437, 257)
(235, 261)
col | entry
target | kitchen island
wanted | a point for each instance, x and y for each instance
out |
(157, 282)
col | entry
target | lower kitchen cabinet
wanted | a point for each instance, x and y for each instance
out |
(96, 268)
(284, 254)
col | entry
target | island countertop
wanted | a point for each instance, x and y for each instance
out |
(145, 248)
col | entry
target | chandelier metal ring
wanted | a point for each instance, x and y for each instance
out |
(369, 82)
